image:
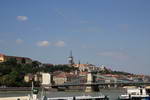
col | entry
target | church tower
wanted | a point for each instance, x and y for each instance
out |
(70, 59)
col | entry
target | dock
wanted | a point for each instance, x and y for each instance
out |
(15, 98)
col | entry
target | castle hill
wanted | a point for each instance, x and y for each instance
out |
(22, 71)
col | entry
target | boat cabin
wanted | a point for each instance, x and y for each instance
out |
(136, 93)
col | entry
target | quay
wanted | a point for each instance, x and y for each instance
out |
(15, 88)
(15, 98)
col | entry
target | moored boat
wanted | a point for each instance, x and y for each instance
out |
(102, 97)
(136, 93)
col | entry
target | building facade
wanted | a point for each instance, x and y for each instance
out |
(46, 79)
(25, 60)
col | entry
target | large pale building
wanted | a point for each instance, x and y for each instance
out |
(46, 79)
(4, 58)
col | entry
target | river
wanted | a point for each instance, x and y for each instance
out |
(112, 93)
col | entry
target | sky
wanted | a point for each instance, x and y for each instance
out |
(114, 33)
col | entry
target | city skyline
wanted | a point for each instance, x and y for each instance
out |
(112, 33)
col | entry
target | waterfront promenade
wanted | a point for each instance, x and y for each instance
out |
(15, 98)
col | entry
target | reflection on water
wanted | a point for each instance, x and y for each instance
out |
(112, 93)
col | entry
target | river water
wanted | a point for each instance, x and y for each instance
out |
(111, 93)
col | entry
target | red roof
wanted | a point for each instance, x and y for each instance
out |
(64, 75)
(2, 54)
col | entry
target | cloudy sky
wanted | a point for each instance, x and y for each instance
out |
(115, 33)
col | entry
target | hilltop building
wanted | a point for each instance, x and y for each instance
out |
(86, 67)
(25, 60)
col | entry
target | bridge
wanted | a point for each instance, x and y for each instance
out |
(92, 85)
(102, 84)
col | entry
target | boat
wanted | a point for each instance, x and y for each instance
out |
(102, 97)
(136, 93)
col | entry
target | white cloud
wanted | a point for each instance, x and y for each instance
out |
(19, 41)
(114, 55)
(47, 43)
(59, 44)
(43, 43)
(22, 18)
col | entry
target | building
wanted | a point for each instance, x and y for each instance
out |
(85, 67)
(60, 78)
(25, 60)
(46, 79)
(82, 67)
(33, 77)
(38, 77)
(63, 77)
(28, 77)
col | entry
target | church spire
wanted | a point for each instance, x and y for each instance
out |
(70, 58)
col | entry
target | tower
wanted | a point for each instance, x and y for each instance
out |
(90, 80)
(70, 59)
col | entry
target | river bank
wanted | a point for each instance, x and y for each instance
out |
(111, 93)
(50, 89)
